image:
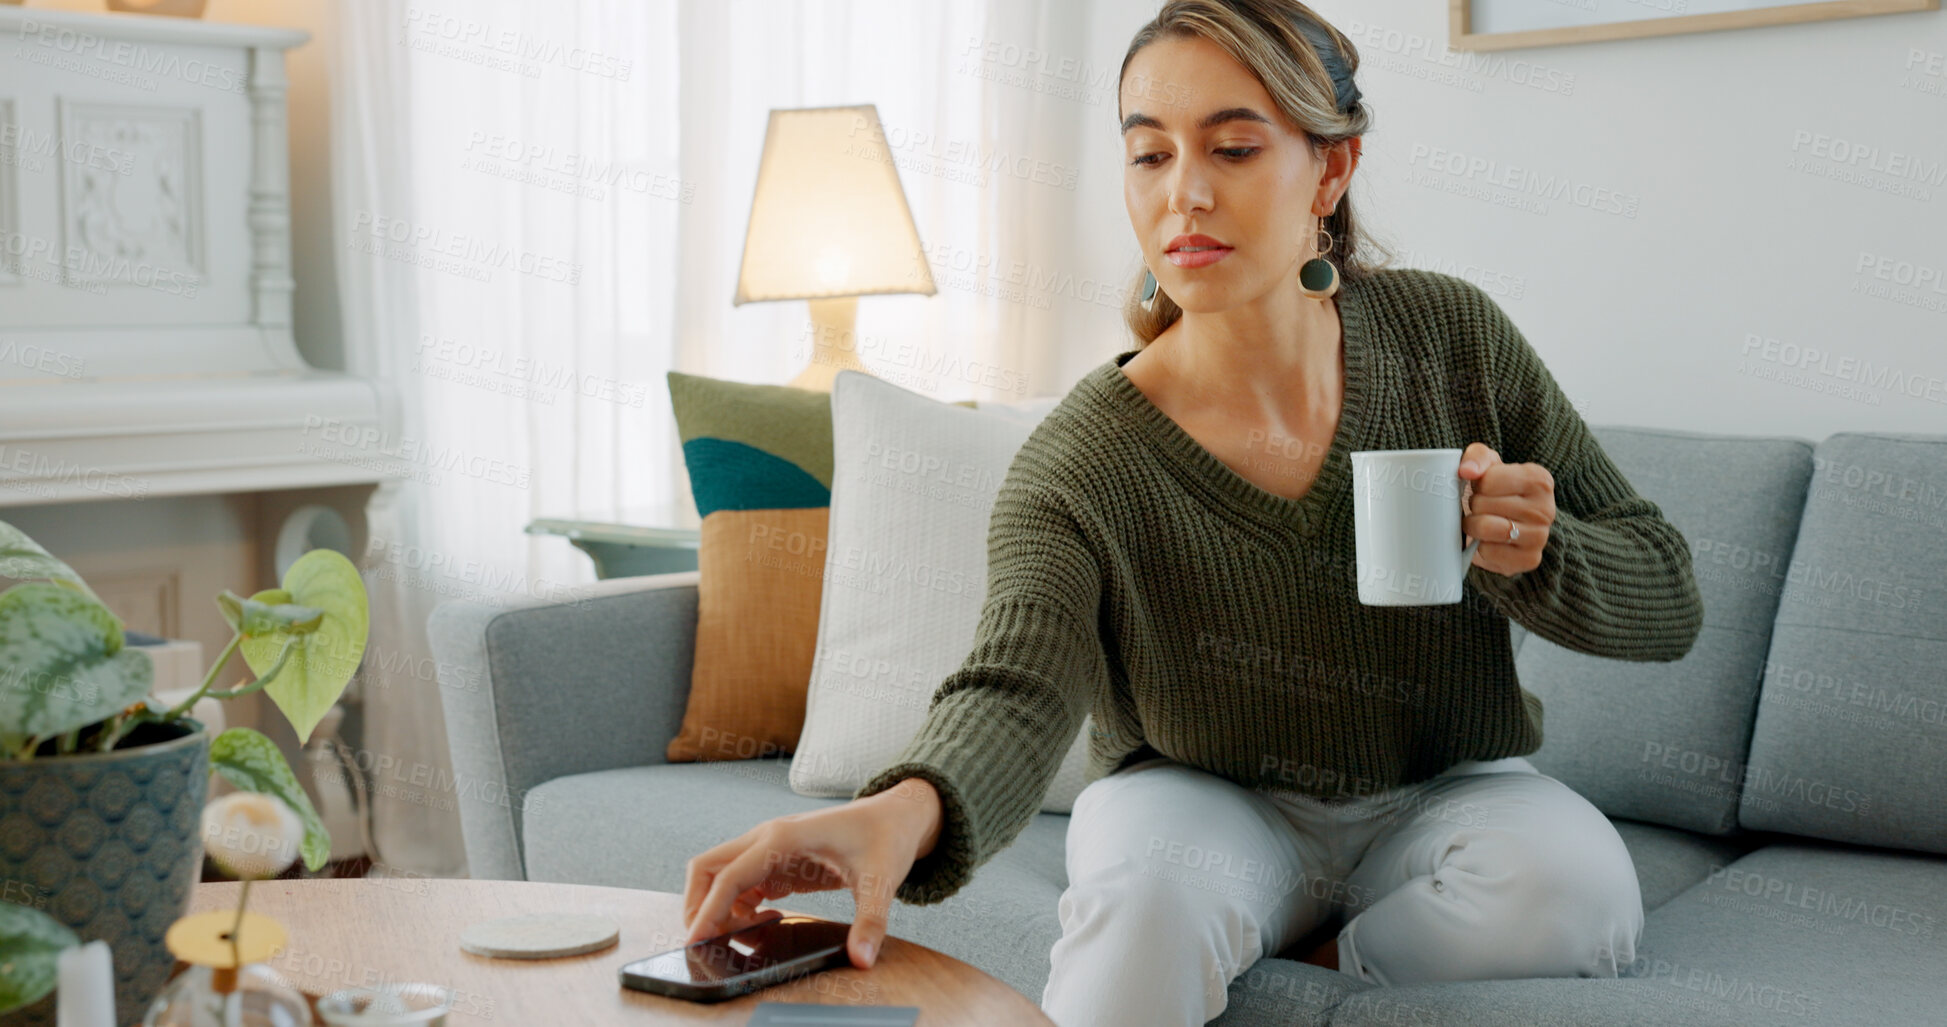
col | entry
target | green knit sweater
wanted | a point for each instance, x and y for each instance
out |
(1134, 576)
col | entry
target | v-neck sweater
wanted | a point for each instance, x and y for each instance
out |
(1137, 582)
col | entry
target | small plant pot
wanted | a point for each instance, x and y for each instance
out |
(110, 845)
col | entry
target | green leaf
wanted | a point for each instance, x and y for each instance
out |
(23, 559)
(230, 605)
(325, 658)
(62, 665)
(253, 617)
(30, 950)
(253, 763)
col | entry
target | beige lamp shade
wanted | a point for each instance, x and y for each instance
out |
(829, 218)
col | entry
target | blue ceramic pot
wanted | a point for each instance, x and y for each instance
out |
(109, 844)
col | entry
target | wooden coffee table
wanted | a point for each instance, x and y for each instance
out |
(348, 933)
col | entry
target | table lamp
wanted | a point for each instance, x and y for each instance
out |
(829, 223)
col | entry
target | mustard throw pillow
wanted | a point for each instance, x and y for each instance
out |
(760, 468)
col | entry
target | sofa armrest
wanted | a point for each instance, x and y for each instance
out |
(533, 691)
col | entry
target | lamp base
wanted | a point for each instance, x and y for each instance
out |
(834, 343)
(174, 8)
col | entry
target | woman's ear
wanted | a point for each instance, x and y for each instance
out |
(1340, 161)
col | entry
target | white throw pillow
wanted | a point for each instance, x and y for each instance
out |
(913, 483)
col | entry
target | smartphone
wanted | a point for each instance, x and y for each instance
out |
(744, 961)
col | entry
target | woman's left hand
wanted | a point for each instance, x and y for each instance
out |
(1496, 495)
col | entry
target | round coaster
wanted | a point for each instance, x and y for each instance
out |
(540, 935)
(203, 939)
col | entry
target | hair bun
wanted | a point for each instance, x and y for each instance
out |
(1345, 92)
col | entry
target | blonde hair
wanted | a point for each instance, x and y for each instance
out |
(1310, 82)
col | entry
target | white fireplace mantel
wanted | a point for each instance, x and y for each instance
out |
(145, 271)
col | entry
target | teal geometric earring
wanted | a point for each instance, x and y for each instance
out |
(1150, 289)
(1318, 277)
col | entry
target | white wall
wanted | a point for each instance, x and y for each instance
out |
(1644, 320)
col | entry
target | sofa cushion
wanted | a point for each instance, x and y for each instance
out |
(1847, 741)
(1789, 933)
(637, 827)
(1538, 1002)
(1805, 932)
(1668, 860)
(913, 485)
(1275, 992)
(1663, 742)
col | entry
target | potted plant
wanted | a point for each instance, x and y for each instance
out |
(102, 786)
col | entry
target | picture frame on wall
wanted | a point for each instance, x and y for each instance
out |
(1510, 24)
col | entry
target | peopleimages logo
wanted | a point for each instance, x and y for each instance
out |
(22, 145)
(1893, 163)
(1831, 695)
(1861, 370)
(1412, 45)
(1869, 167)
(545, 158)
(407, 450)
(131, 58)
(1524, 181)
(1760, 785)
(40, 358)
(514, 43)
(922, 143)
(438, 242)
(79, 266)
(1060, 75)
(47, 475)
(1836, 905)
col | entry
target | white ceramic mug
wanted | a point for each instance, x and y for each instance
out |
(1406, 522)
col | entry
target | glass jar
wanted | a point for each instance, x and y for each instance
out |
(256, 996)
(392, 1005)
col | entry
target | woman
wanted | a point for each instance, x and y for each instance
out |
(1171, 550)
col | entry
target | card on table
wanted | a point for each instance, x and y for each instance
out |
(811, 1014)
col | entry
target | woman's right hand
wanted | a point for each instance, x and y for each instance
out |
(866, 844)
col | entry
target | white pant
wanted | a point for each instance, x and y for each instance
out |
(1179, 880)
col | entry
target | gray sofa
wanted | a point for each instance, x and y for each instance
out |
(1780, 788)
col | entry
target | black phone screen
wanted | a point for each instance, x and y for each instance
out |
(751, 951)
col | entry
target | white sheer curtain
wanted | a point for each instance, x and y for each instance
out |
(541, 211)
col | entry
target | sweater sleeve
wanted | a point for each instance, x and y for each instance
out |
(998, 727)
(1615, 578)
